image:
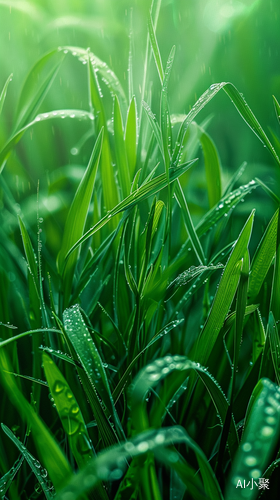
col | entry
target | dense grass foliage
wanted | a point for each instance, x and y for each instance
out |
(139, 311)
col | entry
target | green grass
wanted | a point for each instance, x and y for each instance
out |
(139, 311)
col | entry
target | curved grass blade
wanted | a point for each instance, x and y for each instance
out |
(277, 108)
(76, 219)
(268, 191)
(111, 464)
(60, 113)
(212, 167)
(25, 334)
(48, 449)
(147, 189)
(39, 472)
(241, 106)
(224, 295)
(262, 429)
(31, 96)
(165, 123)
(4, 92)
(107, 75)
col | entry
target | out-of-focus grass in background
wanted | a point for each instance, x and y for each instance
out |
(216, 40)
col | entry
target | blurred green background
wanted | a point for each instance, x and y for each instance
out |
(216, 40)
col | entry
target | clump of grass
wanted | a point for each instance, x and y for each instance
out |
(155, 338)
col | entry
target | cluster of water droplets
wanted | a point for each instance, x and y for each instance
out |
(65, 113)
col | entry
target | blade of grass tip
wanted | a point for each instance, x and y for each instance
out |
(258, 441)
(154, 12)
(121, 157)
(182, 202)
(4, 92)
(76, 219)
(39, 472)
(224, 295)
(147, 189)
(263, 258)
(7, 479)
(56, 114)
(48, 449)
(236, 176)
(31, 96)
(155, 48)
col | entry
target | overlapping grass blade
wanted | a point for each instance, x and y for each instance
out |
(34, 464)
(165, 123)
(147, 189)
(275, 292)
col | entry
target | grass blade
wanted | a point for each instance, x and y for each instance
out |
(130, 138)
(31, 96)
(147, 189)
(4, 92)
(155, 48)
(122, 163)
(224, 295)
(76, 219)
